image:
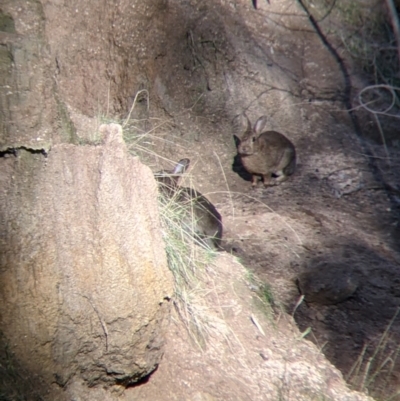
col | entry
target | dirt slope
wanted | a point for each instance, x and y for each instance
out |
(201, 65)
(335, 211)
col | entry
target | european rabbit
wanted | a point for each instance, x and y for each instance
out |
(268, 154)
(202, 214)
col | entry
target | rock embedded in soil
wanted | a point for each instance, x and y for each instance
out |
(84, 283)
(328, 283)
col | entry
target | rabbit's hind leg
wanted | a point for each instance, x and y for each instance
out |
(268, 180)
(279, 177)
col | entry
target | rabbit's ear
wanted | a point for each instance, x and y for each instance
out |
(237, 140)
(260, 124)
(181, 166)
(248, 129)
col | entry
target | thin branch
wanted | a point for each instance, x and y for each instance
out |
(134, 103)
(394, 19)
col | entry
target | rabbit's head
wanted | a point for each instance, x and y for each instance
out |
(200, 213)
(248, 145)
(169, 179)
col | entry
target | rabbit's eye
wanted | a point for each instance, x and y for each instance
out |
(254, 139)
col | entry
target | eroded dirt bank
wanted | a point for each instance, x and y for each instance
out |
(201, 64)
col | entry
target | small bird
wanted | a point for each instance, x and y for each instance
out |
(255, 3)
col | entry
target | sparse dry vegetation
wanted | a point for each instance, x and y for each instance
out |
(189, 258)
(363, 30)
(377, 363)
(365, 33)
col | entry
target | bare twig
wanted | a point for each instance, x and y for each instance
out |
(376, 113)
(298, 303)
(389, 88)
(134, 103)
(394, 19)
(329, 11)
